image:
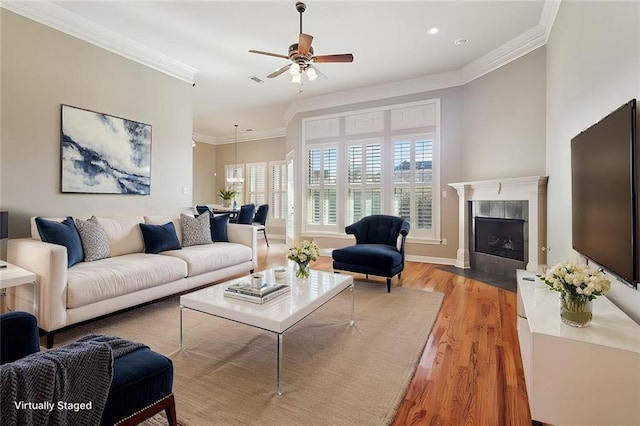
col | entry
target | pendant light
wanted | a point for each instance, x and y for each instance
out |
(235, 178)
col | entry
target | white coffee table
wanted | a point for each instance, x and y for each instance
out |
(277, 315)
(13, 276)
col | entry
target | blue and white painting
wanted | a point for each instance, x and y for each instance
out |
(102, 154)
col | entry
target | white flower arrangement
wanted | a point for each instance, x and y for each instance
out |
(576, 280)
(304, 252)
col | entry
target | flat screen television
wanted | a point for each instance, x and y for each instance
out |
(604, 202)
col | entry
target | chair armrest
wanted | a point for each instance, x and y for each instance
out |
(18, 336)
(246, 235)
(353, 229)
(49, 263)
(404, 231)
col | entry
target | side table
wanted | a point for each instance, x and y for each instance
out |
(13, 276)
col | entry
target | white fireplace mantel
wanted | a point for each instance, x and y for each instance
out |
(532, 189)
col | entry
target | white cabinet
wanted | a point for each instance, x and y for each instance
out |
(577, 376)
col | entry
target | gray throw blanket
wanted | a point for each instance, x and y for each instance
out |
(68, 385)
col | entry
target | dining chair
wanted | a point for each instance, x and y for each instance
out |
(260, 220)
(245, 216)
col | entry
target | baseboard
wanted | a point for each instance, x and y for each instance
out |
(430, 259)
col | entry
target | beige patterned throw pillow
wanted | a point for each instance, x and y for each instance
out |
(195, 230)
(94, 240)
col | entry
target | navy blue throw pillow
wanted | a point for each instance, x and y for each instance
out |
(62, 233)
(159, 238)
(219, 228)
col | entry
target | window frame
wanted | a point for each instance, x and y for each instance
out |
(398, 121)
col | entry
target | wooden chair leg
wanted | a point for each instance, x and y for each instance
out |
(170, 411)
(265, 237)
(388, 285)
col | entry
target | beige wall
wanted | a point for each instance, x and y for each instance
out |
(593, 67)
(43, 68)
(205, 187)
(504, 121)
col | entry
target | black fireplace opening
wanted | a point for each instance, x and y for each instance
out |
(500, 237)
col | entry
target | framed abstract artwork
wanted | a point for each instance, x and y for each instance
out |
(103, 154)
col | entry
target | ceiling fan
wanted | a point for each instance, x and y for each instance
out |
(302, 57)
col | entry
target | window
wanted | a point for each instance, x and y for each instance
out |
(413, 180)
(377, 161)
(364, 179)
(278, 197)
(322, 184)
(256, 183)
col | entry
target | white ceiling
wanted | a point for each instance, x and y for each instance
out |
(389, 41)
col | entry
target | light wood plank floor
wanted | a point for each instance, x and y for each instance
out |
(470, 372)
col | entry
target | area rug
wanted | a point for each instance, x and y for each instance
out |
(333, 373)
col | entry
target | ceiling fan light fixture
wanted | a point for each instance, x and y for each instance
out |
(294, 69)
(297, 79)
(311, 74)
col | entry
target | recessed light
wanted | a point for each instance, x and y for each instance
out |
(248, 130)
(433, 30)
(460, 41)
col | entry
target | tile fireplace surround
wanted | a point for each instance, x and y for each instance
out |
(532, 189)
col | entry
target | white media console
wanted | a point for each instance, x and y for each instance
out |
(577, 376)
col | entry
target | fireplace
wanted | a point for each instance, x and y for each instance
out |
(500, 237)
(510, 198)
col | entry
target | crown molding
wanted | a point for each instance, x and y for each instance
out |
(61, 19)
(508, 52)
(548, 16)
(246, 137)
(371, 93)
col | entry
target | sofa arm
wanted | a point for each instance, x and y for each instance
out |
(49, 263)
(246, 235)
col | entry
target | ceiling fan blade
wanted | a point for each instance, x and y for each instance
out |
(304, 43)
(277, 55)
(279, 71)
(343, 57)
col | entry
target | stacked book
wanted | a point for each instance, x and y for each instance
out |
(244, 291)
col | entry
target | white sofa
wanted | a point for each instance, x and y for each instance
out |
(130, 277)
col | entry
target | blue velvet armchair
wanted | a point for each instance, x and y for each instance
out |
(142, 379)
(376, 251)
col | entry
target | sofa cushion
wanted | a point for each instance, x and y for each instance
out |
(158, 238)
(211, 257)
(218, 224)
(195, 230)
(123, 234)
(62, 233)
(35, 233)
(90, 282)
(161, 220)
(94, 240)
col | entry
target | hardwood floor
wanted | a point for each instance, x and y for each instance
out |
(470, 372)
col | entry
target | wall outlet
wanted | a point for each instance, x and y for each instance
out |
(185, 190)
(444, 241)
(444, 194)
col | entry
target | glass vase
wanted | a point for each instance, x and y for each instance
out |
(303, 270)
(575, 311)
